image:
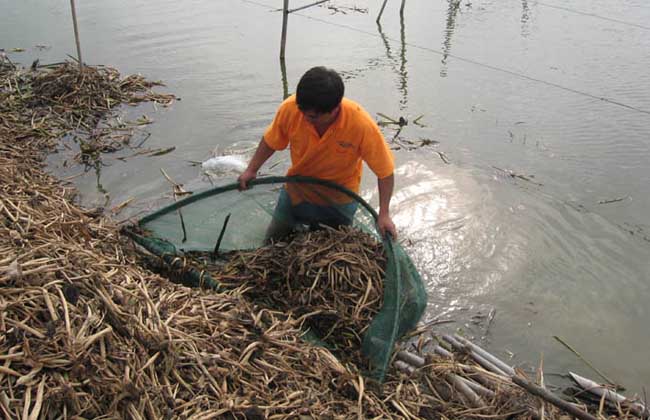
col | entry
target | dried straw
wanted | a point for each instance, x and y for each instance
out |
(51, 102)
(331, 279)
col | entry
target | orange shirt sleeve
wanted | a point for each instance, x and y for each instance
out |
(375, 151)
(276, 135)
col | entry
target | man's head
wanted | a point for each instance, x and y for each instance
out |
(319, 91)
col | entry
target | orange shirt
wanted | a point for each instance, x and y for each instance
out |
(338, 155)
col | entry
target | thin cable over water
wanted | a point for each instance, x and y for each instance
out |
(622, 22)
(466, 60)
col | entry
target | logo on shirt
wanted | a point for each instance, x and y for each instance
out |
(345, 144)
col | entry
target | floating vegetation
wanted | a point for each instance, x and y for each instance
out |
(401, 143)
(400, 122)
(345, 9)
(515, 175)
(613, 200)
(406, 144)
(45, 103)
(386, 120)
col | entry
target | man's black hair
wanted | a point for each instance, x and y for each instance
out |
(320, 89)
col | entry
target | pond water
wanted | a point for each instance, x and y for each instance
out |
(527, 214)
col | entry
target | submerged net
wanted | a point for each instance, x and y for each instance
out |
(356, 292)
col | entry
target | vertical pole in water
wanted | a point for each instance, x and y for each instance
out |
(285, 18)
(76, 33)
(285, 84)
(382, 10)
(401, 9)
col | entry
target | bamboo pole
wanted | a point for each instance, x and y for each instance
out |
(595, 369)
(480, 359)
(76, 33)
(215, 253)
(404, 367)
(285, 20)
(406, 359)
(285, 83)
(461, 386)
(465, 387)
(316, 3)
(442, 352)
(615, 398)
(410, 358)
(553, 399)
(530, 387)
(491, 358)
(176, 188)
(478, 388)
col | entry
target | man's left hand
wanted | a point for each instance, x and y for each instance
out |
(386, 225)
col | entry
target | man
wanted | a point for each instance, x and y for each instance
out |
(329, 136)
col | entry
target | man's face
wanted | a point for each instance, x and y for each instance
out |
(321, 118)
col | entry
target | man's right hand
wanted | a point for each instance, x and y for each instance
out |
(262, 154)
(246, 176)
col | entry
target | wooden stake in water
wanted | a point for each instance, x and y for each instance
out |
(285, 83)
(285, 19)
(76, 33)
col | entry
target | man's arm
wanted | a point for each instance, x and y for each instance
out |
(262, 154)
(384, 222)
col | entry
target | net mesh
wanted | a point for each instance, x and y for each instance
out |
(223, 219)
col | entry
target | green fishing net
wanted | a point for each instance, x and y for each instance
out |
(225, 219)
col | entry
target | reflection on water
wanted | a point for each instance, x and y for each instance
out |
(479, 243)
(398, 64)
(285, 83)
(447, 221)
(403, 73)
(525, 19)
(450, 229)
(452, 11)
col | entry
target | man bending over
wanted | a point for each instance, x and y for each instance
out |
(329, 137)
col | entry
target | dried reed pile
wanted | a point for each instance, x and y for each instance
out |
(330, 278)
(44, 104)
(87, 333)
